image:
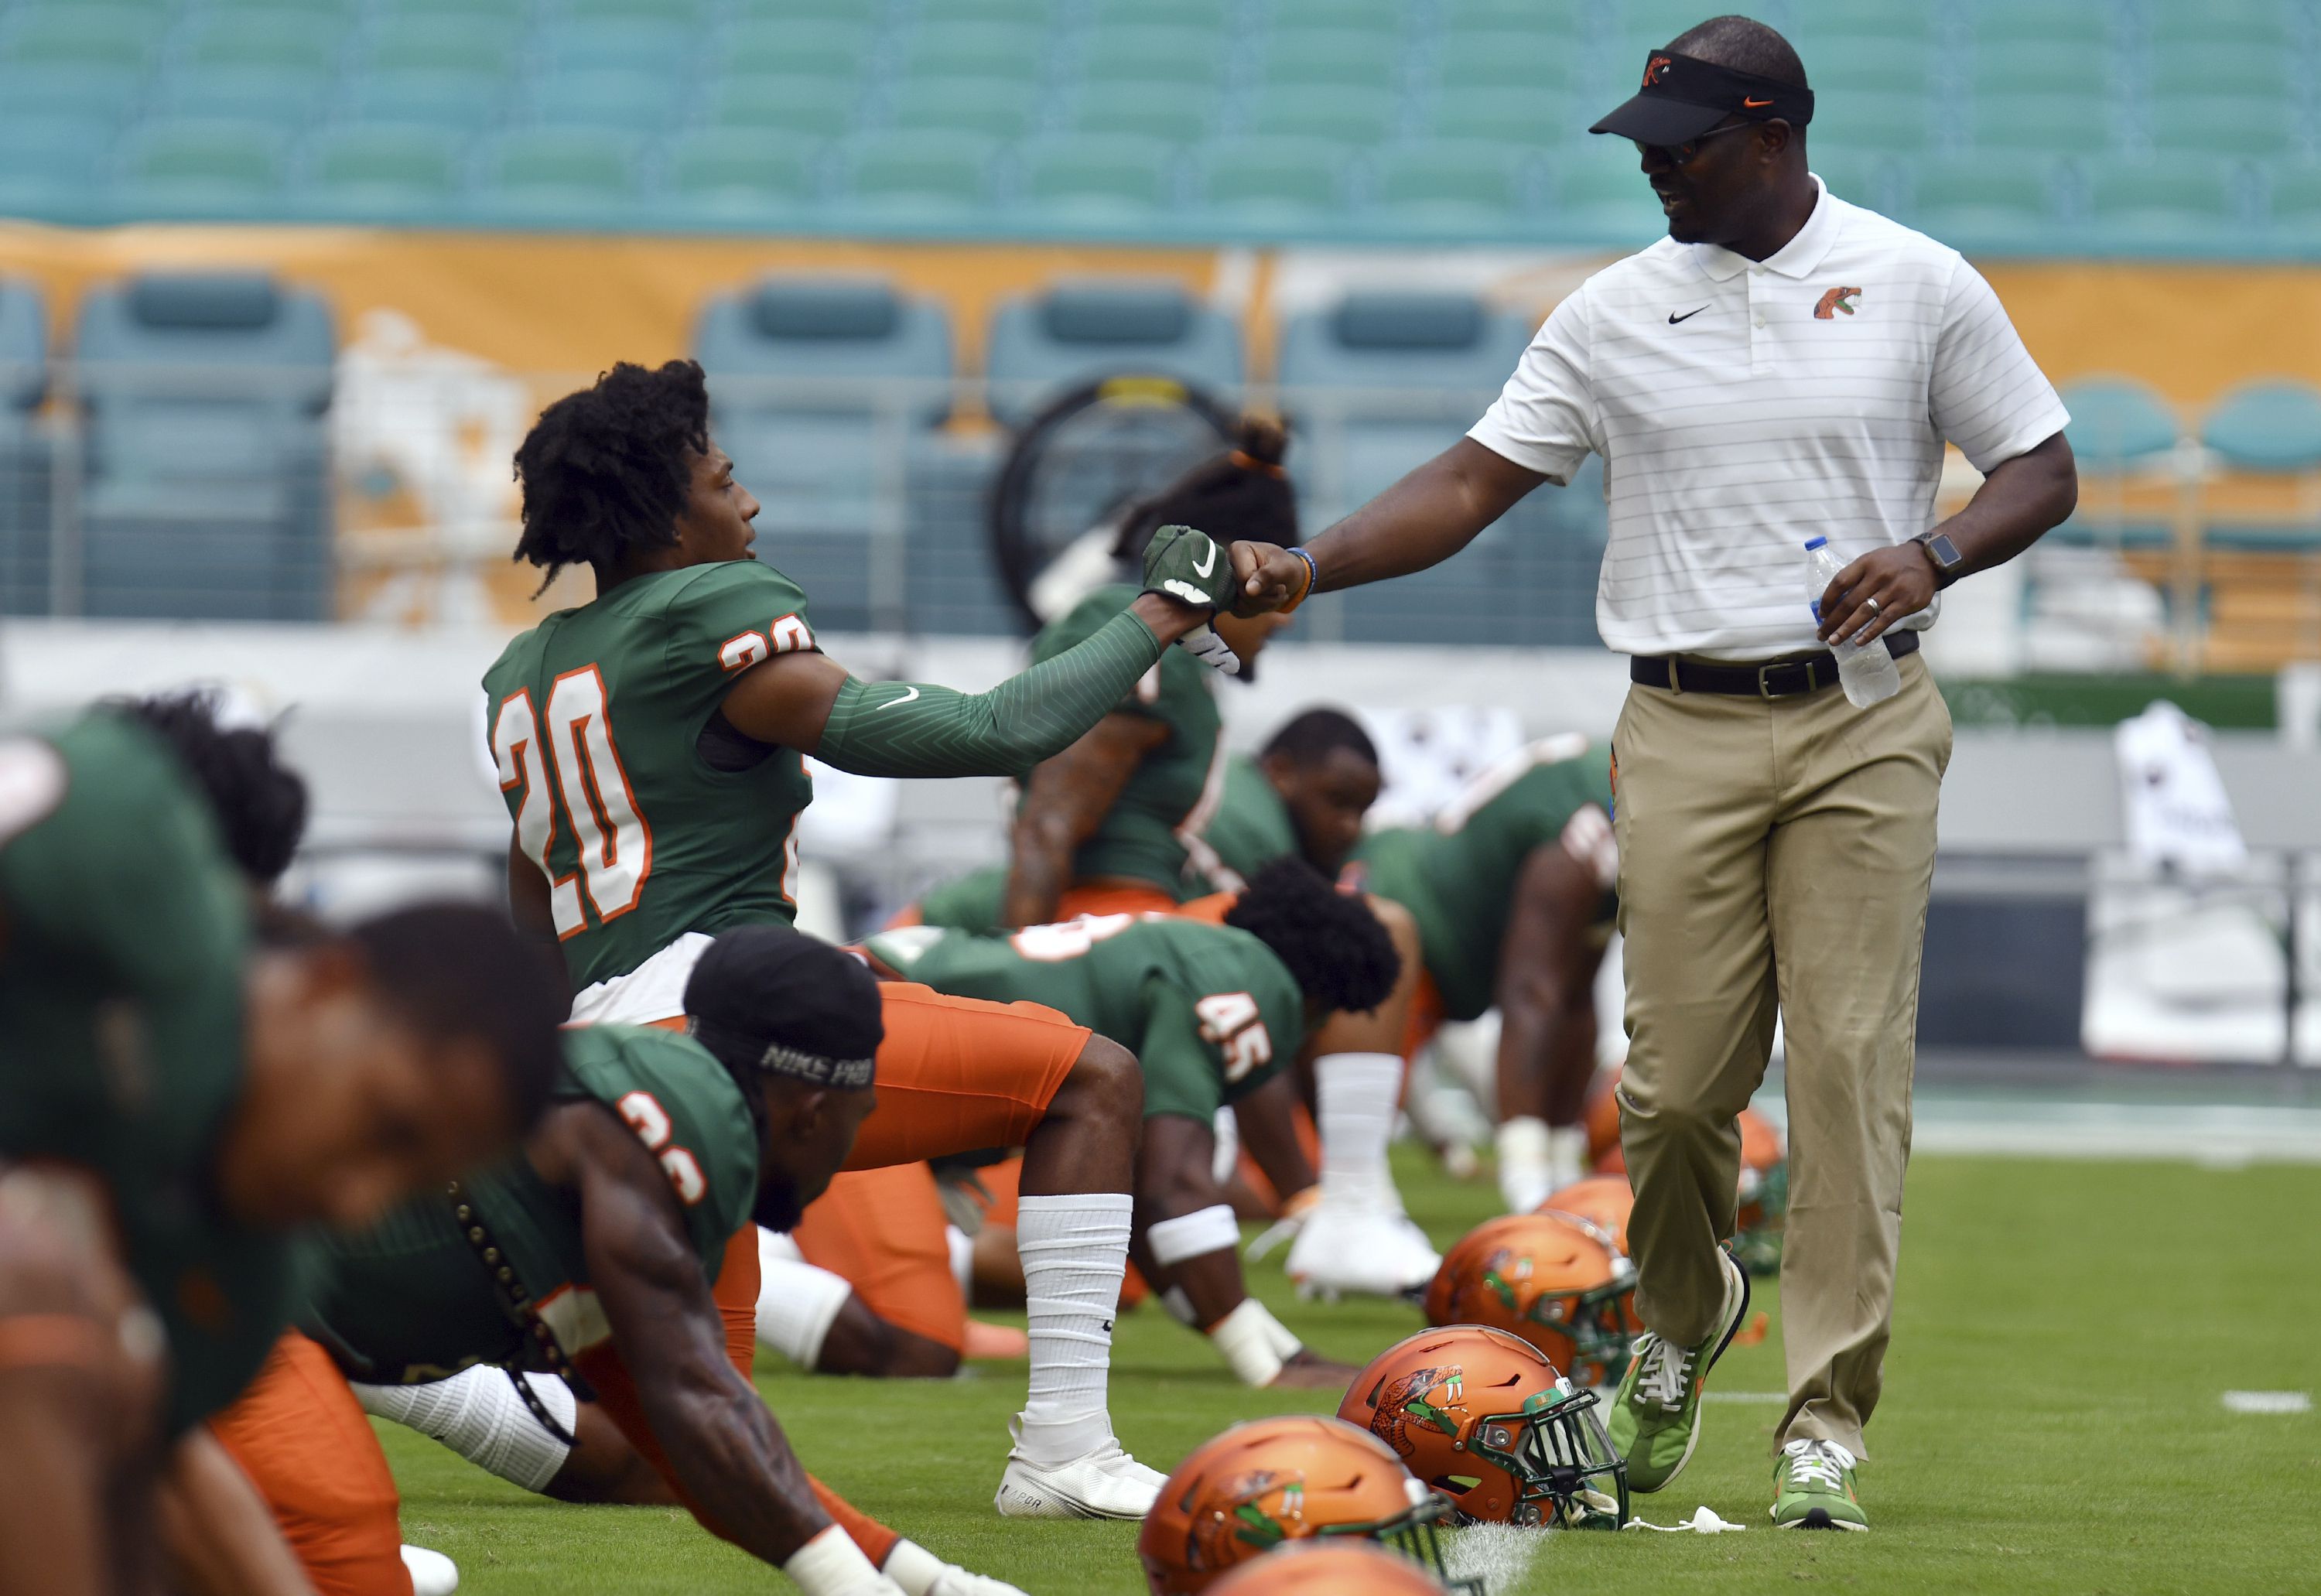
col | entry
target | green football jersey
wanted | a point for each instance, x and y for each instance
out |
(1458, 877)
(1167, 797)
(972, 902)
(1249, 829)
(1208, 1010)
(597, 718)
(410, 1298)
(126, 930)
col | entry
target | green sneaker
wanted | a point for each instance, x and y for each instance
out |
(1655, 1419)
(1813, 1488)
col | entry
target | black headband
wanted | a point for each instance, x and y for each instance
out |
(1683, 96)
(735, 1047)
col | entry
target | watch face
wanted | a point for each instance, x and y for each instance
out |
(1945, 552)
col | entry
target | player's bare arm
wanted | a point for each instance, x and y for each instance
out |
(221, 1535)
(1064, 801)
(2019, 502)
(1424, 519)
(724, 1446)
(1268, 1123)
(1546, 988)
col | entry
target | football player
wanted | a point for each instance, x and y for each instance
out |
(651, 751)
(595, 1256)
(214, 1098)
(1212, 1012)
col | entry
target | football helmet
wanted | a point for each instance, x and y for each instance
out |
(1604, 1122)
(1605, 1202)
(1486, 1420)
(1554, 1280)
(1328, 1568)
(1764, 1194)
(1270, 1481)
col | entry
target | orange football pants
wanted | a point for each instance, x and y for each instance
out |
(884, 1231)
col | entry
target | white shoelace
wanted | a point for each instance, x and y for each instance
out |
(1819, 1464)
(1666, 1374)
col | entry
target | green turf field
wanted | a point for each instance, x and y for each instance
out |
(2052, 1419)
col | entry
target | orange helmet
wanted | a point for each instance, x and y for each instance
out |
(1328, 1568)
(1605, 1202)
(1486, 1420)
(1764, 1194)
(1275, 1480)
(1604, 1119)
(1556, 1281)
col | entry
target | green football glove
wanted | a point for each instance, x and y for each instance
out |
(1193, 567)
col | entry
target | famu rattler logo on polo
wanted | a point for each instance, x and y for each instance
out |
(1834, 301)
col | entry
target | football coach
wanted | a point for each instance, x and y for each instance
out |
(1783, 365)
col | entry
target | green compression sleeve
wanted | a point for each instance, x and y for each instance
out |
(894, 728)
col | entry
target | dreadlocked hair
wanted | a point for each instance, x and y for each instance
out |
(1241, 494)
(1340, 954)
(259, 803)
(607, 470)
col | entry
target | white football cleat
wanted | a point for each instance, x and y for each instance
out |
(1105, 1483)
(1348, 1250)
(432, 1573)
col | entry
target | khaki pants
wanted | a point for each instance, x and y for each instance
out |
(1775, 856)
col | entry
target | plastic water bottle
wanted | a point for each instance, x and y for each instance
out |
(1868, 674)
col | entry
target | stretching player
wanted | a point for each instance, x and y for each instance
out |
(651, 749)
(595, 1256)
(1512, 889)
(217, 1099)
(1212, 1012)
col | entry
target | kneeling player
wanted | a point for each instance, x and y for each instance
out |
(593, 1256)
(1212, 1012)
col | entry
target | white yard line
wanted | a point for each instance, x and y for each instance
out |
(2267, 1401)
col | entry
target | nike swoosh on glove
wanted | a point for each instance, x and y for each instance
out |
(920, 1572)
(1190, 567)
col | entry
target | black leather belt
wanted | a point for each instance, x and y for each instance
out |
(1788, 677)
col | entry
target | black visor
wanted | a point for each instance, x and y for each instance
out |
(1682, 98)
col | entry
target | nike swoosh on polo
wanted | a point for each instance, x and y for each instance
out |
(1688, 315)
(906, 698)
(1208, 565)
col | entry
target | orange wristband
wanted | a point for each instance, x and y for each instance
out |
(1312, 575)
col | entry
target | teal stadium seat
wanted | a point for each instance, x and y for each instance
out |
(79, 35)
(2120, 427)
(1863, 177)
(1511, 62)
(2293, 200)
(1041, 345)
(1276, 182)
(342, 12)
(389, 171)
(1003, 108)
(2249, 126)
(1870, 63)
(1444, 188)
(919, 175)
(1115, 178)
(1531, 118)
(2082, 24)
(1813, 21)
(854, 12)
(798, 49)
(1870, 120)
(25, 456)
(623, 45)
(2204, 66)
(1154, 56)
(558, 175)
(692, 15)
(287, 41)
(812, 107)
(478, 43)
(1030, 13)
(52, 162)
(1177, 112)
(2266, 429)
(2252, 26)
(286, 98)
(30, 89)
(729, 176)
(1561, 18)
(1334, 58)
(1313, 111)
(1601, 194)
(2166, 200)
(1212, 15)
(2042, 123)
(464, 101)
(1969, 201)
(505, 13)
(2025, 70)
(206, 170)
(1376, 16)
(989, 49)
(632, 101)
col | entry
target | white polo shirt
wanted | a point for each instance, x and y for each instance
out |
(1743, 407)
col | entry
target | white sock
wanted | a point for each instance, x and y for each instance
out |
(1356, 1095)
(1567, 1154)
(1526, 1162)
(796, 1302)
(1074, 1249)
(961, 1248)
(478, 1414)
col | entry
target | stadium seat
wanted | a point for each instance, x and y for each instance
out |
(1380, 16)
(467, 44)
(2120, 427)
(457, 101)
(33, 90)
(556, 175)
(2293, 191)
(1100, 177)
(632, 45)
(2165, 200)
(51, 165)
(1371, 352)
(284, 98)
(1152, 56)
(908, 174)
(503, 11)
(2209, 68)
(339, 11)
(79, 35)
(1031, 14)
(1863, 177)
(1177, 112)
(2253, 27)
(1963, 200)
(1563, 18)
(1814, 22)
(816, 387)
(2079, 24)
(814, 107)
(221, 170)
(1530, 117)
(2045, 123)
(287, 39)
(206, 497)
(1002, 108)
(1315, 111)
(384, 171)
(1871, 63)
(1513, 63)
(692, 15)
(24, 454)
(1336, 58)
(1043, 344)
(989, 49)
(729, 175)
(1183, 13)
(1601, 194)
(807, 48)
(1870, 119)
(2266, 429)
(1445, 186)
(611, 98)
(1275, 181)
(2252, 126)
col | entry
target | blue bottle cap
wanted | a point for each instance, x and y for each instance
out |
(1815, 542)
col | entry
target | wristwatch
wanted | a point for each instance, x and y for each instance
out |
(1948, 561)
